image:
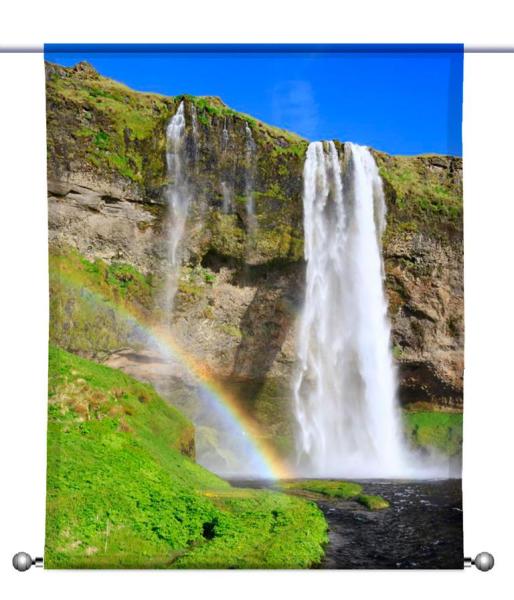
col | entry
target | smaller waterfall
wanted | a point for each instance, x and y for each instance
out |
(227, 197)
(224, 136)
(250, 156)
(178, 194)
(194, 130)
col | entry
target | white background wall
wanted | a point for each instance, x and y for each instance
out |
(489, 214)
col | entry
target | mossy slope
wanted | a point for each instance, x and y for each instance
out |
(90, 303)
(123, 490)
(435, 429)
(337, 489)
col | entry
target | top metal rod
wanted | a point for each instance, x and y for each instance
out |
(148, 48)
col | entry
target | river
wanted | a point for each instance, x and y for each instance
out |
(422, 529)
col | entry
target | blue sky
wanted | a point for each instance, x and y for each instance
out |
(402, 103)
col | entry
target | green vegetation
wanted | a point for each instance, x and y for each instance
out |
(121, 131)
(231, 330)
(210, 106)
(333, 489)
(423, 194)
(119, 282)
(296, 148)
(228, 238)
(440, 430)
(91, 303)
(372, 502)
(338, 489)
(123, 490)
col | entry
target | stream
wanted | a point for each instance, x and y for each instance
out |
(422, 529)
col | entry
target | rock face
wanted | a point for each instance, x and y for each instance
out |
(242, 283)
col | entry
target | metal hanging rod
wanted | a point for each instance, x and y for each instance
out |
(22, 561)
(148, 48)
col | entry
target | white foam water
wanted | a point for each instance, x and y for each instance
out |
(250, 149)
(227, 197)
(178, 195)
(345, 390)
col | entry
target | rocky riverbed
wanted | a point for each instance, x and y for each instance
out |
(422, 528)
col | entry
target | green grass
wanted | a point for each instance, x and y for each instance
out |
(439, 430)
(89, 302)
(338, 489)
(124, 491)
(333, 489)
(372, 502)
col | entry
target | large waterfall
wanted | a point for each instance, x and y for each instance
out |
(345, 389)
(178, 196)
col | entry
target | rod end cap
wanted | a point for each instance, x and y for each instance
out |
(22, 561)
(484, 561)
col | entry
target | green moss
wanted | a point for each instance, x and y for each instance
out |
(227, 237)
(190, 289)
(372, 502)
(338, 489)
(231, 330)
(333, 489)
(90, 303)
(440, 430)
(296, 148)
(421, 197)
(209, 106)
(194, 282)
(397, 352)
(123, 491)
(122, 131)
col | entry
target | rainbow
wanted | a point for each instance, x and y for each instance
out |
(264, 459)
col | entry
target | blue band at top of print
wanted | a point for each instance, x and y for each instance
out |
(249, 48)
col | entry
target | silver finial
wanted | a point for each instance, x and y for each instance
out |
(22, 561)
(484, 561)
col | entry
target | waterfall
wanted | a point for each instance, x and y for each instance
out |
(227, 197)
(194, 129)
(224, 136)
(250, 149)
(345, 390)
(178, 195)
(222, 443)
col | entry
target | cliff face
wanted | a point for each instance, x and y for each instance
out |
(241, 286)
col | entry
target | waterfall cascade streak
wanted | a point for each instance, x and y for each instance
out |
(178, 195)
(224, 435)
(345, 390)
(250, 150)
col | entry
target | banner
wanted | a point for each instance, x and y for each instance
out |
(256, 295)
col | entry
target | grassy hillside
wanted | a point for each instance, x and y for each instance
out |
(89, 302)
(124, 490)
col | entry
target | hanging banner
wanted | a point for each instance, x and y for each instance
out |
(256, 295)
